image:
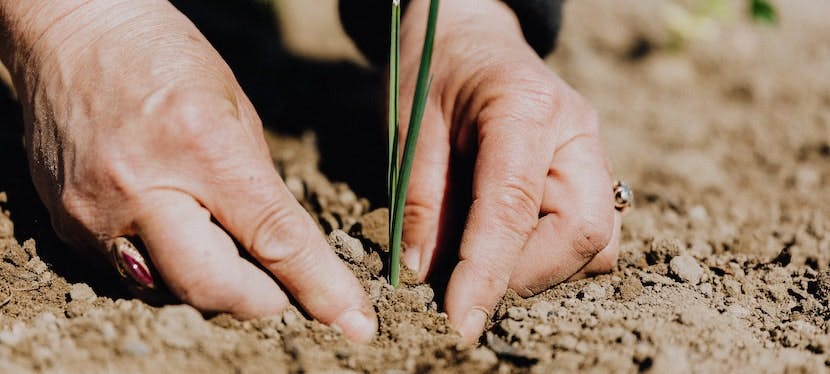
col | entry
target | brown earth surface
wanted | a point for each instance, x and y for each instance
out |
(725, 264)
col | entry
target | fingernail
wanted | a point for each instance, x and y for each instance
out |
(130, 263)
(473, 326)
(412, 259)
(358, 325)
(138, 270)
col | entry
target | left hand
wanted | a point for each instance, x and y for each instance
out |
(512, 147)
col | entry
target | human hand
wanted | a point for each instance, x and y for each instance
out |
(510, 148)
(136, 127)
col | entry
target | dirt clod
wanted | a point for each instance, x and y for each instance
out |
(631, 288)
(687, 269)
(81, 292)
(349, 248)
(592, 292)
(374, 228)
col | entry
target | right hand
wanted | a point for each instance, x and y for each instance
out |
(136, 126)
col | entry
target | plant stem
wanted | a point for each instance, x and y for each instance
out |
(394, 108)
(419, 101)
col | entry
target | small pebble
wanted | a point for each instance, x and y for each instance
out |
(290, 318)
(687, 269)
(542, 310)
(592, 292)
(81, 292)
(738, 311)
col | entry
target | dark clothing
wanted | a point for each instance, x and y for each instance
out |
(540, 21)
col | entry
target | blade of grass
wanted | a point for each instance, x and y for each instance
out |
(419, 101)
(394, 108)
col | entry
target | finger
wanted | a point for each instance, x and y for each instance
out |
(606, 259)
(199, 261)
(426, 199)
(580, 221)
(255, 206)
(508, 184)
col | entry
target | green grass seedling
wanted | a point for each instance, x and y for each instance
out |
(400, 166)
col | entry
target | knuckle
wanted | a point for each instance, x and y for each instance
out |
(489, 273)
(418, 209)
(536, 106)
(543, 96)
(592, 236)
(281, 236)
(193, 123)
(545, 101)
(516, 206)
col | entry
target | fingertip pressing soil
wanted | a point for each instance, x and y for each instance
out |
(725, 263)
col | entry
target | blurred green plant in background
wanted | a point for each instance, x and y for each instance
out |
(763, 11)
(700, 19)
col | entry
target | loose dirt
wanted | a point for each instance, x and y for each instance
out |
(725, 264)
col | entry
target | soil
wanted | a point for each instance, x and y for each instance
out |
(725, 264)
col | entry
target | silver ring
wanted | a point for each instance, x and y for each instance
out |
(623, 196)
(130, 263)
